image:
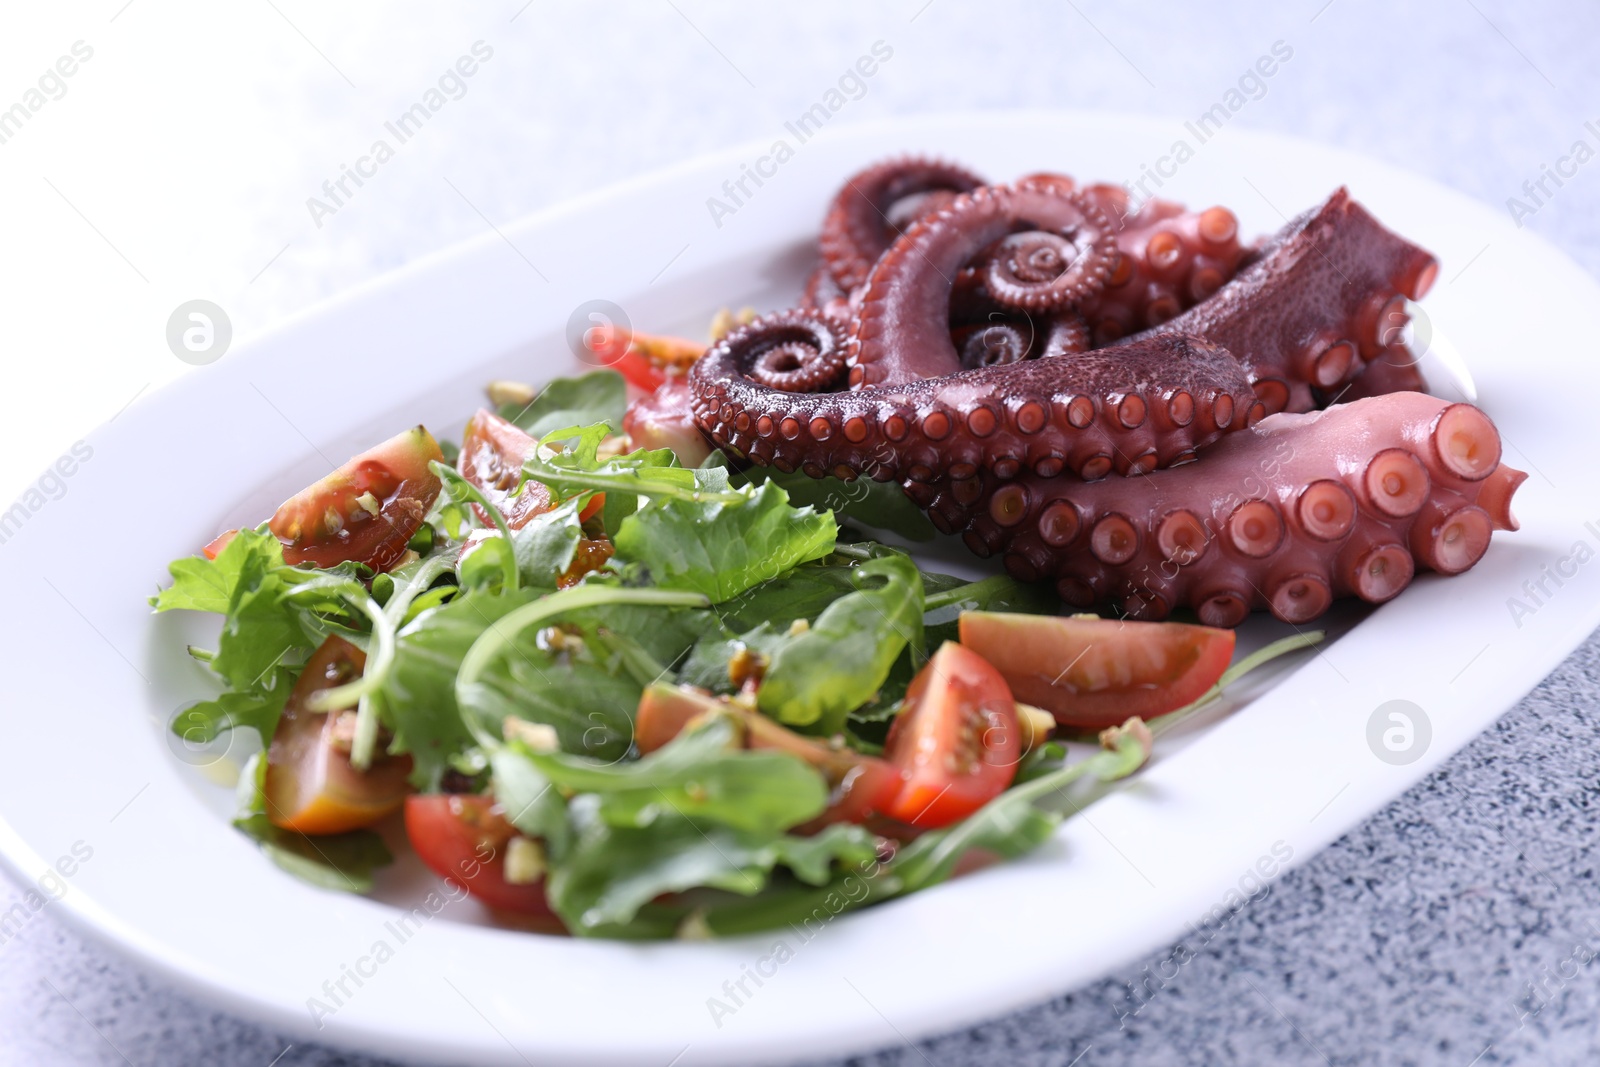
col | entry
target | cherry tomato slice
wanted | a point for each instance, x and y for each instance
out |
(464, 838)
(366, 510)
(956, 742)
(218, 543)
(492, 454)
(310, 785)
(645, 360)
(1093, 673)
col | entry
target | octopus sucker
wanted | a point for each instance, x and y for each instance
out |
(1380, 571)
(1395, 483)
(1285, 516)
(1117, 398)
(1449, 538)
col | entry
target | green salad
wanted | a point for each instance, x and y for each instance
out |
(611, 693)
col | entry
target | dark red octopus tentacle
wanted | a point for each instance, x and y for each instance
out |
(877, 205)
(1052, 249)
(1130, 409)
(1315, 305)
(1169, 259)
(1287, 516)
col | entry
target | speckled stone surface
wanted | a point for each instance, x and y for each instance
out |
(1455, 927)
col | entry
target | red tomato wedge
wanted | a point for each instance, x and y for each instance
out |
(492, 454)
(645, 360)
(664, 419)
(365, 511)
(1093, 673)
(858, 785)
(464, 838)
(310, 785)
(956, 741)
(218, 543)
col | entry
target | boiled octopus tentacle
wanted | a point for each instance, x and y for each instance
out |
(1130, 409)
(1315, 305)
(1286, 516)
(1043, 249)
(877, 205)
(1393, 370)
(1169, 260)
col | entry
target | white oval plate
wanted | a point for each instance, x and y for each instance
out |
(93, 677)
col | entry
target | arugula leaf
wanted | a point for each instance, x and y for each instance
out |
(614, 871)
(599, 396)
(804, 906)
(880, 505)
(568, 462)
(702, 774)
(342, 862)
(820, 675)
(802, 593)
(257, 709)
(419, 694)
(541, 550)
(545, 545)
(200, 584)
(590, 706)
(270, 624)
(664, 634)
(707, 665)
(722, 548)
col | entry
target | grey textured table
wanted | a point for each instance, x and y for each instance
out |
(1418, 938)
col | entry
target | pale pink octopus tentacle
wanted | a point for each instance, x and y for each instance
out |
(1286, 516)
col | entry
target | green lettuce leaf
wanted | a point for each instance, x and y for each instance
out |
(601, 396)
(612, 872)
(820, 675)
(879, 505)
(701, 774)
(271, 621)
(531, 803)
(723, 548)
(419, 693)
